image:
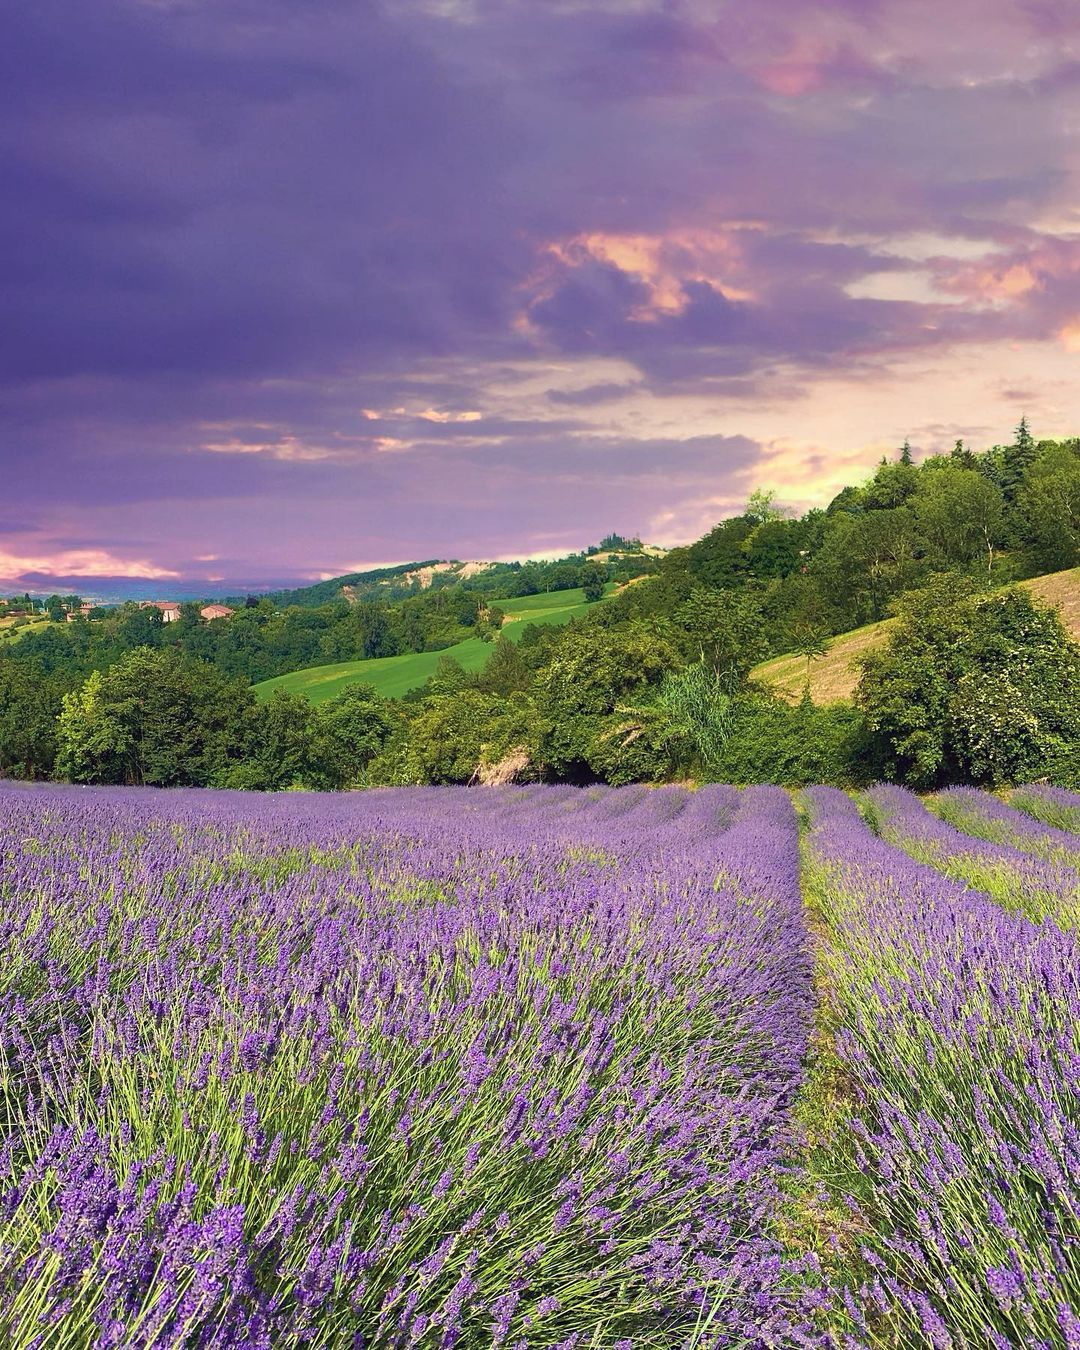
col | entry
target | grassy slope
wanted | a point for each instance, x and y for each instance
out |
(10, 633)
(393, 676)
(833, 677)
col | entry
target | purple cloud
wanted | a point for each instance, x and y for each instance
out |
(360, 263)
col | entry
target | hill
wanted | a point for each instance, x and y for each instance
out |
(393, 676)
(381, 582)
(623, 558)
(834, 676)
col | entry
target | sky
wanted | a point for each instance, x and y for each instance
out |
(292, 289)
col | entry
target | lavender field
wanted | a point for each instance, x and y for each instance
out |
(538, 1067)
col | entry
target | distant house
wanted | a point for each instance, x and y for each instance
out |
(170, 609)
(216, 612)
(83, 612)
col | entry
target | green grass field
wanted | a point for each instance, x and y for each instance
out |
(393, 676)
(11, 630)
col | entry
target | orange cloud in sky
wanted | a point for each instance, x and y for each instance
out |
(295, 450)
(1014, 281)
(289, 448)
(1070, 336)
(80, 563)
(663, 263)
(1000, 285)
(434, 415)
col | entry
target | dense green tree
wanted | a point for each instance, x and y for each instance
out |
(449, 677)
(564, 576)
(849, 499)
(1017, 458)
(154, 717)
(960, 514)
(594, 674)
(891, 485)
(593, 581)
(30, 703)
(507, 671)
(454, 738)
(725, 630)
(984, 688)
(866, 559)
(281, 753)
(528, 581)
(346, 735)
(777, 548)
(719, 559)
(1049, 503)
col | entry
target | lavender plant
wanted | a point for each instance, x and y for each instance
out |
(988, 817)
(428, 1068)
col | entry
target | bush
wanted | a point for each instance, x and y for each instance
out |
(455, 737)
(770, 741)
(591, 693)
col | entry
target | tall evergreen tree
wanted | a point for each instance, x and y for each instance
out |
(1018, 458)
(905, 452)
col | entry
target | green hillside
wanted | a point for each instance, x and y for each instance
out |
(393, 676)
(834, 676)
(12, 630)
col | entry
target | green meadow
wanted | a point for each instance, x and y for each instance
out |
(12, 630)
(393, 676)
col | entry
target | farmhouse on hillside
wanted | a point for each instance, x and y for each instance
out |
(170, 609)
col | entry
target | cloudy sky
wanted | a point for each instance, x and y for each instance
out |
(290, 288)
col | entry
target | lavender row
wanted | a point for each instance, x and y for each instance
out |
(981, 814)
(509, 1069)
(1039, 887)
(1054, 806)
(959, 1037)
